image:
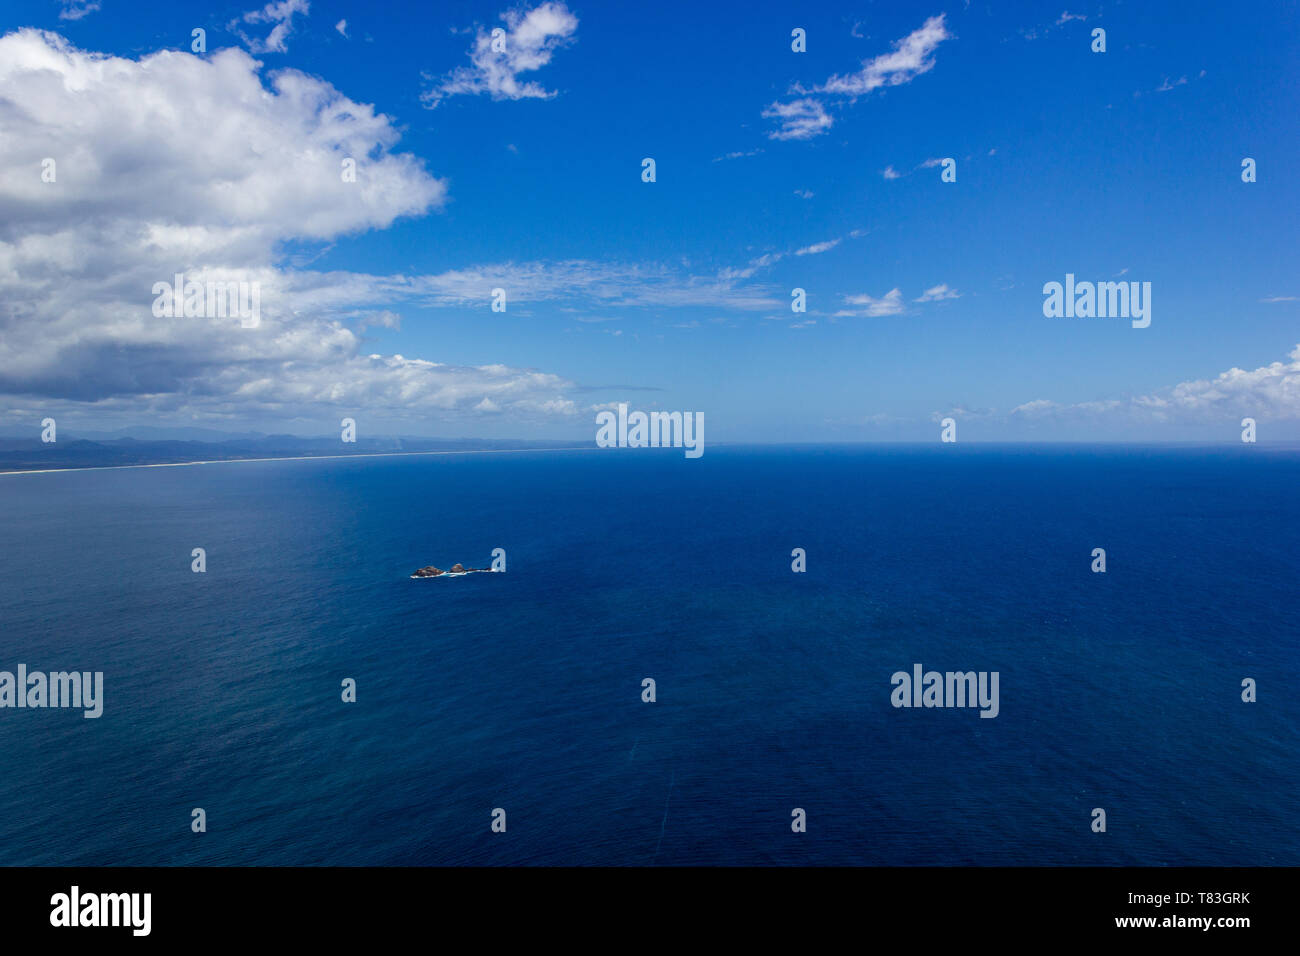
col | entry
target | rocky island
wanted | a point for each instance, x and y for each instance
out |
(432, 572)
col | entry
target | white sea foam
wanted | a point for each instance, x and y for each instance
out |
(451, 574)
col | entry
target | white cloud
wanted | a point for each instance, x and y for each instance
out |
(76, 9)
(530, 40)
(281, 14)
(817, 247)
(1280, 298)
(737, 155)
(597, 285)
(890, 304)
(804, 193)
(150, 185)
(194, 154)
(176, 163)
(889, 172)
(799, 119)
(912, 56)
(755, 265)
(1037, 407)
(342, 27)
(966, 414)
(938, 294)
(1034, 33)
(1271, 392)
(1166, 86)
(768, 259)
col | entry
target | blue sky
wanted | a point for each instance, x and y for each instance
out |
(522, 170)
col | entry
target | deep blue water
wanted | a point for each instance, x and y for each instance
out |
(523, 691)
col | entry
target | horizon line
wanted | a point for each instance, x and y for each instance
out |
(594, 447)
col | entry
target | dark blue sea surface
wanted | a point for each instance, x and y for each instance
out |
(523, 690)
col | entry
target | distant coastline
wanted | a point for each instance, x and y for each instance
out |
(226, 461)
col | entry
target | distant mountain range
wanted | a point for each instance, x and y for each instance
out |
(80, 451)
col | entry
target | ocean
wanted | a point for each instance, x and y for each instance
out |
(523, 691)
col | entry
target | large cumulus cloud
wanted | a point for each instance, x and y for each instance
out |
(181, 163)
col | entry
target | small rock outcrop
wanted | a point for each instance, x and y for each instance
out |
(432, 572)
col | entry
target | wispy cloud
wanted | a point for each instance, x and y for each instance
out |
(1035, 32)
(737, 155)
(588, 285)
(817, 247)
(76, 9)
(913, 55)
(1268, 392)
(529, 40)
(889, 172)
(755, 265)
(342, 27)
(962, 413)
(769, 259)
(890, 304)
(281, 14)
(799, 119)
(938, 294)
